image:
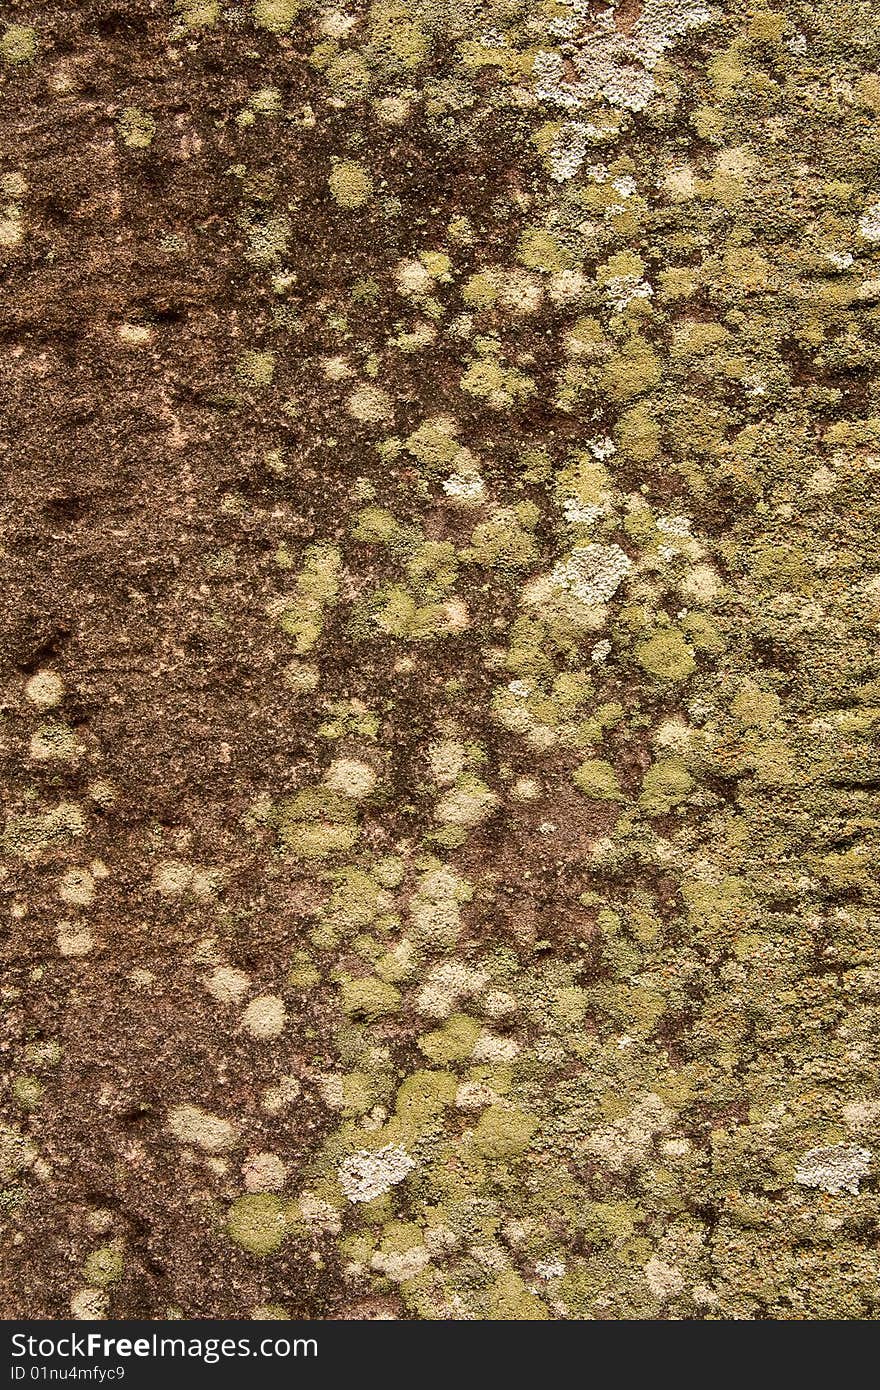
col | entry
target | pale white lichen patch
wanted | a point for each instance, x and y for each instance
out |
(702, 584)
(611, 65)
(89, 1305)
(447, 760)
(11, 226)
(492, 1048)
(200, 1129)
(869, 223)
(278, 1097)
(860, 1114)
(400, 1265)
(664, 1280)
(475, 1095)
(467, 803)
(445, 985)
(497, 1003)
(264, 1172)
(601, 651)
(621, 290)
(45, 689)
(569, 150)
(465, 487)
(837, 1168)
(228, 986)
(74, 939)
(371, 1172)
(351, 777)
(319, 1214)
(526, 789)
(77, 887)
(626, 1142)
(265, 1017)
(134, 334)
(592, 573)
(370, 404)
(412, 277)
(171, 878)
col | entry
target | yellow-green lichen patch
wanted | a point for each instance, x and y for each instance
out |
(355, 901)
(375, 525)
(667, 656)
(317, 586)
(54, 742)
(666, 784)
(500, 384)
(454, 1042)
(317, 823)
(32, 834)
(541, 250)
(505, 539)
(434, 443)
(197, 14)
(467, 803)
(136, 128)
(371, 405)
(598, 780)
(268, 240)
(425, 1094)
(28, 1091)
(350, 184)
(503, 1133)
(369, 998)
(276, 15)
(398, 613)
(104, 1266)
(258, 1223)
(509, 1300)
(18, 44)
(256, 368)
(481, 736)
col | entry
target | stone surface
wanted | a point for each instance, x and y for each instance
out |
(439, 659)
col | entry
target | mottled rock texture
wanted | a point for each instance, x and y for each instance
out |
(440, 611)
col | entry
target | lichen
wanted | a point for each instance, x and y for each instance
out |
(369, 998)
(441, 693)
(257, 1223)
(276, 15)
(18, 44)
(667, 655)
(369, 1173)
(350, 184)
(597, 779)
(137, 128)
(104, 1266)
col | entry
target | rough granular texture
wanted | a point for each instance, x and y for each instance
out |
(440, 618)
